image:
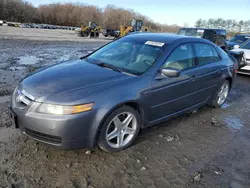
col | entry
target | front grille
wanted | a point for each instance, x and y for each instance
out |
(43, 137)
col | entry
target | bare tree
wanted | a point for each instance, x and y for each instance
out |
(230, 25)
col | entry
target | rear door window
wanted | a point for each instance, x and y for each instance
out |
(206, 53)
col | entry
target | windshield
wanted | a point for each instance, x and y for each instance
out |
(128, 56)
(191, 32)
(246, 45)
(239, 39)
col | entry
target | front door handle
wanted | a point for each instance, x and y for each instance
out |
(193, 78)
(218, 71)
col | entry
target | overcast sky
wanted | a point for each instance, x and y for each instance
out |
(175, 11)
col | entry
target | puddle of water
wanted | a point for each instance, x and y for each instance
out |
(45, 55)
(233, 123)
(64, 58)
(28, 60)
(225, 106)
(17, 68)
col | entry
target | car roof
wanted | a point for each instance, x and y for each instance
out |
(163, 37)
(243, 34)
(202, 28)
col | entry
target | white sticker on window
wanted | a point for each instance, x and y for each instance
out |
(152, 43)
(200, 31)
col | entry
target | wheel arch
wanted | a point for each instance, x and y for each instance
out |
(131, 103)
(230, 80)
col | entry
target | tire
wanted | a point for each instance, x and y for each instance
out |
(114, 137)
(216, 103)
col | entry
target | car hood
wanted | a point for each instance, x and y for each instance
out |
(232, 44)
(68, 77)
(246, 52)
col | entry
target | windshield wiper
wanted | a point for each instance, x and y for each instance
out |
(109, 66)
(112, 67)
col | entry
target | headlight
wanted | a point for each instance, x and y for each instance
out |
(63, 110)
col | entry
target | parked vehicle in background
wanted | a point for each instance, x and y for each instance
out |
(108, 32)
(92, 30)
(11, 25)
(217, 36)
(24, 26)
(135, 26)
(106, 97)
(245, 47)
(4, 23)
(238, 39)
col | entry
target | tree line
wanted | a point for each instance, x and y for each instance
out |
(229, 24)
(75, 14)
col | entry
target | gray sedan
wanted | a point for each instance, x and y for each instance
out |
(105, 98)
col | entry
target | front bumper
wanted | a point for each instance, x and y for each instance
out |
(245, 69)
(61, 131)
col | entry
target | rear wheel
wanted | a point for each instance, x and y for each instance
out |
(119, 129)
(221, 95)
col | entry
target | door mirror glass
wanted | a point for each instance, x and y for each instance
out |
(170, 72)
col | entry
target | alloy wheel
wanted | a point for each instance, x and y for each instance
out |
(121, 130)
(223, 93)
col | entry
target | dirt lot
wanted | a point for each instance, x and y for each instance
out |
(43, 34)
(208, 148)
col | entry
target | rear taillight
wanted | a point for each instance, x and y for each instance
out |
(235, 68)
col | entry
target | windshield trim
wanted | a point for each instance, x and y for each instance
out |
(244, 43)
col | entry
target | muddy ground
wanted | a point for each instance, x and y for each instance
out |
(208, 148)
(44, 34)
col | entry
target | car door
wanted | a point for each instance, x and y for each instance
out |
(170, 95)
(209, 70)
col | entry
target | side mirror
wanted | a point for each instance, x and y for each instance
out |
(236, 46)
(170, 72)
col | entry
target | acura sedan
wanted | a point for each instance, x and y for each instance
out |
(105, 98)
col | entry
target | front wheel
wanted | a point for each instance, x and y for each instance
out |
(221, 95)
(119, 130)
